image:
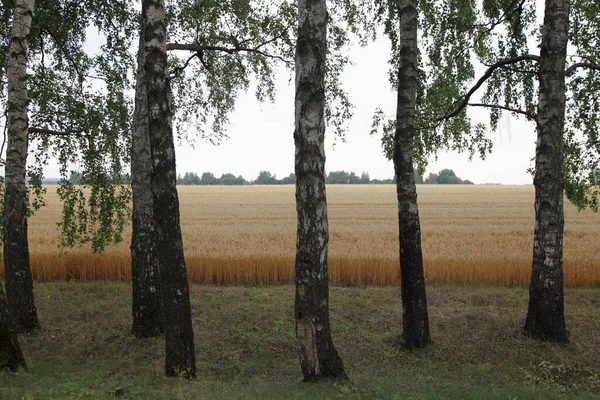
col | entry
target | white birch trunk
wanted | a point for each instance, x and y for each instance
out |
(19, 284)
(318, 356)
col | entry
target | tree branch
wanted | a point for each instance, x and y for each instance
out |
(186, 63)
(529, 115)
(67, 55)
(67, 132)
(481, 81)
(588, 65)
(229, 50)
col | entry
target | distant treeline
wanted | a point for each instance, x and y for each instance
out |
(267, 178)
(445, 176)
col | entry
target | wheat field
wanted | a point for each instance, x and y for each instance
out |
(246, 234)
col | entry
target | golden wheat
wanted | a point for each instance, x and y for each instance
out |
(240, 235)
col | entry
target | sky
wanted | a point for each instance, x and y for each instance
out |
(261, 135)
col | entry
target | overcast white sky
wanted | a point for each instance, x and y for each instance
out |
(261, 135)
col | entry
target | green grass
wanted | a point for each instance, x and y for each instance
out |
(245, 347)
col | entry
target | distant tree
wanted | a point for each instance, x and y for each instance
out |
(265, 178)
(467, 182)
(448, 177)
(240, 180)
(338, 177)
(353, 178)
(289, 180)
(432, 179)
(445, 177)
(208, 179)
(228, 179)
(318, 356)
(364, 178)
(190, 178)
(418, 178)
(76, 177)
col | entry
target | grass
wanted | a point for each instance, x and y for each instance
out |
(246, 235)
(246, 349)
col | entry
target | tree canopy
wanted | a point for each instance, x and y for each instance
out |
(461, 38)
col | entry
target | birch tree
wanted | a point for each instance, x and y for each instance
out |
(545, 315)
(514, 80)
(537, 87)
(216, 50)
(145, 275)
(179, 335)
(65, 118)
(19, 284)
(415, 318)
(318, 356)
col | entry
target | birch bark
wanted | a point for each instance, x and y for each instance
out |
(318, 356)
(545, 315)
(11, 356)
(180, 356)
(415, 319)
(146, 307)
(19, 283)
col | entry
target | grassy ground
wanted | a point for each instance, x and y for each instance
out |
(245, 347)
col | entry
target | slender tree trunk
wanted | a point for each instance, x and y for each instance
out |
(146, 308)
(545, 316)
(415, 319)
(318, 356)
(19, 284)
(179, 335)
(11, 356)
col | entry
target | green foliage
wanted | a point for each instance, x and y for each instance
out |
(208, 179)
(289, 180)
(190, 178)
(235, 44)
(78, 111)
(449, 39)
(220, 48)
(94, 211)
(495, 35)
(265, 178)
(582, 145)
(418, 177)
(445, 177)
